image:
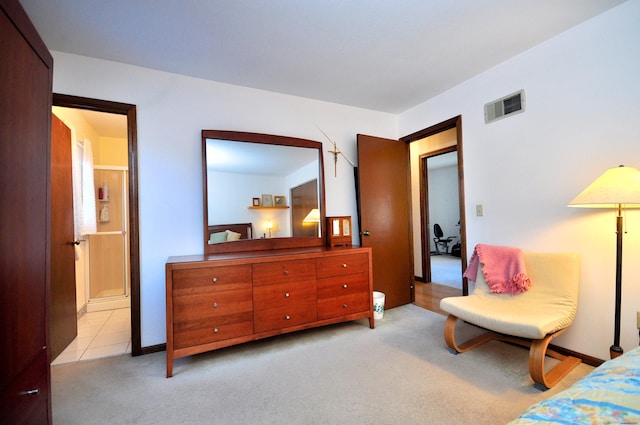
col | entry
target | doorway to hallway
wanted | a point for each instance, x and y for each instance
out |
(442, 140)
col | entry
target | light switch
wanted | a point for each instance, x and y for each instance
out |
(479, 210)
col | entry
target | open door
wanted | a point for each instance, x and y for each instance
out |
(64, 324)
(26, 71)
(384, 202)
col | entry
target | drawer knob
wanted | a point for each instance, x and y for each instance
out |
(344, 265)
(214, 280)
(287, 317)
(345, 306)
(215, 305)
(286, 295)
(215, 330)
(345, 286)
(286, 272)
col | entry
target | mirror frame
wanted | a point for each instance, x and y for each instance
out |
(270, 243)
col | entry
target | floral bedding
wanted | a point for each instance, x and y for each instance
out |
(608, 395)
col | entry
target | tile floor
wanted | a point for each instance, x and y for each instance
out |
(100, 334)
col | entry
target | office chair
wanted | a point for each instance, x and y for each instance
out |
(440, 240)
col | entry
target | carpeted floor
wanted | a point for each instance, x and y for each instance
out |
(446, 270)
(399, 373)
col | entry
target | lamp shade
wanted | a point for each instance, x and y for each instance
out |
(313, 216)
(618, 186)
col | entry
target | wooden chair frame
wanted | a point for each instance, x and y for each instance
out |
(538, 350)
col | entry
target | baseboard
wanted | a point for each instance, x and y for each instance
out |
(82, 311)
(591, 361)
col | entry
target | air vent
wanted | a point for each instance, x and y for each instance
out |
(503, 107)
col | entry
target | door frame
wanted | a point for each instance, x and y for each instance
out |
(455, 122)
(425, 228)
(68, 101)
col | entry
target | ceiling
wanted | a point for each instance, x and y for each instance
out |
(381, 55)
(105, 124)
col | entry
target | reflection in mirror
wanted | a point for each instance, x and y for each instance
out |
(262, 191)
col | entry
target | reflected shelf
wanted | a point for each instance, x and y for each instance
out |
(268, 208)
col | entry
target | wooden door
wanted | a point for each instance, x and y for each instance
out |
(25, 110)
(64, 324)
(304, 198)
(384, 203)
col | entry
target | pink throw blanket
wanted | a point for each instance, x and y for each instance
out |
(503, 268)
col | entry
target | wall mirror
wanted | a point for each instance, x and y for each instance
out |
(261, 191)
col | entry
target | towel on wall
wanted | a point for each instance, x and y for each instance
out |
(503, 268)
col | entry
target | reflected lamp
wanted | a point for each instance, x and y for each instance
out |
(312, 217)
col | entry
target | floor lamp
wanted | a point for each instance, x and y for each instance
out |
(617, 188)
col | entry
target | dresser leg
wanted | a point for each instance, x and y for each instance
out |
(372, 322)
(169, 365)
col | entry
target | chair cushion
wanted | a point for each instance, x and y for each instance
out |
(549, 305)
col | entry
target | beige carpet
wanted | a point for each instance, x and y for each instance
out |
(446, 270)
(399, 373)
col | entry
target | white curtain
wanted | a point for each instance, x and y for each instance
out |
(84, 198)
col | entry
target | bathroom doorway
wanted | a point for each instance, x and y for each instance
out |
(109, 282)
(98, 143)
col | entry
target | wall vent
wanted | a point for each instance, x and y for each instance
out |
(503, 107)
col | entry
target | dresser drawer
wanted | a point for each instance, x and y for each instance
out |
(342, 264)
(285, 316)
(342, 306)
(283, 272)
(26, 396)
(213, 329)
(343, 285)
(212, 304)
(206, 279)
(284, 294)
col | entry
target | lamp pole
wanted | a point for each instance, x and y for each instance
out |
(615, 350)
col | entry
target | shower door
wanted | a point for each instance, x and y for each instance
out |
(108, 280)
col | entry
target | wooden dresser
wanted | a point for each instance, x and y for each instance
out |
(220, 300)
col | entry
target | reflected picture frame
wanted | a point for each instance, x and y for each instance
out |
(267, 200)
(279, 201)
(256, 202)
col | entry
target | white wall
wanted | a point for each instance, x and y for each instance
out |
(228, 204)
(171, 112)
(582, 117)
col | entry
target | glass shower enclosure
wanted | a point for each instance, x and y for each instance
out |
(108, 284)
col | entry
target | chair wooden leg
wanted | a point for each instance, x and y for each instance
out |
(449, 337)
(537, 354)
(538, 351)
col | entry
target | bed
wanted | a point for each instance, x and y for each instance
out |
(229, 232)
(610, 394)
